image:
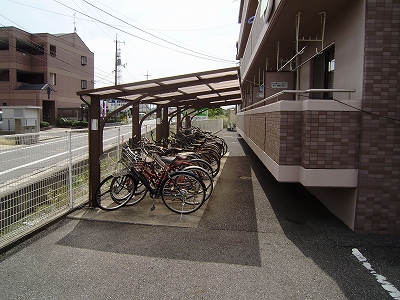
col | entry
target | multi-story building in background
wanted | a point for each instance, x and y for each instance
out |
(321, 101)
(44, 70)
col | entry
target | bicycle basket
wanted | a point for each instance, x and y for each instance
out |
(154, 156)
(131, 159)
(120, 169)
(139, 165)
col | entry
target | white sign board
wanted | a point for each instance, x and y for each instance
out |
(279, 85)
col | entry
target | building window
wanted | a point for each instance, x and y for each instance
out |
(323, 73)
(4, 75)
(53, 79)
(83, 60)
(53, 50)
(30, 77)
(29, 48)
(83, 84)
(4, 43)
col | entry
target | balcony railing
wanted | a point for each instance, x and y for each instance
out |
(312, 141)
(275, 97)
(258, 28)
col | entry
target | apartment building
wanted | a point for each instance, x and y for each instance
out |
(321, 101)
(44, 70)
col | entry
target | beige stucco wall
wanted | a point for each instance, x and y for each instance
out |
(347, 32)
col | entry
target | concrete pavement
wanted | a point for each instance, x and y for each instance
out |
(255, 239)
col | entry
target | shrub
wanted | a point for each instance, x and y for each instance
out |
(44, 124)
(63, 122)
(80, 124)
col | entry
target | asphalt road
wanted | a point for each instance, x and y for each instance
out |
(256, 239)
(53, 147)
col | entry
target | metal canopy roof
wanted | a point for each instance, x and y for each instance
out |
(203, 89)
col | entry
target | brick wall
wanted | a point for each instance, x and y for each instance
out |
(378, 203)
(291, 138)
(66, 65)
(330, 140)
(311, 139)
(257, 130)
(272, 135)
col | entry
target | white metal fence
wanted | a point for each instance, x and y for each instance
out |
(44, 176)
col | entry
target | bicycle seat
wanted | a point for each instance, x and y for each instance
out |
(173, 159)
(168, 159)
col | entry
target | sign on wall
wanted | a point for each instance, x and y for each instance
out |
(201, 115)
(279, 85)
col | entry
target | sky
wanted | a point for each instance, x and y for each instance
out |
(156, 38)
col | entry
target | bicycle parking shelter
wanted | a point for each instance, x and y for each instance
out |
(209, 89)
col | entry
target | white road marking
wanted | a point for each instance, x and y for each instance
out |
(40, 160)
(50, 157)
(386, 285)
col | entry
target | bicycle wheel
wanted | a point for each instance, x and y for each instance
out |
(183, 192)
(203, 164)
(213, 160)
(222, 144)
(110, 195)
(212, 147)
(224, 147)
(204, 176)
(137, 191)
(122, 187)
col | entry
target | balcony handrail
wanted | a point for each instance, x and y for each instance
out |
(276, 95)
(272, 97)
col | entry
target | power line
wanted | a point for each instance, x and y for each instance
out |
(88, 18)
(88, 9)
(190, 54)
(107, 32)
(40, 48)
(367, 112)
(164, 40)
(155, 29)
(132, 57)
(59, 47)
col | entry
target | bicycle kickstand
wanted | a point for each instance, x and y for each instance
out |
(153, 207)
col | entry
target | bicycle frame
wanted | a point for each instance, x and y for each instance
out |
(143, 179)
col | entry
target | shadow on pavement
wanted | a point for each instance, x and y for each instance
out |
(227, 232)
(322, 237)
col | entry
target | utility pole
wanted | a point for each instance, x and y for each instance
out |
(118, 63)
(147, 75)
(73, 36)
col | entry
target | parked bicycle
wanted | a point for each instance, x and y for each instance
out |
(181, 191)
(196, 143)
(178, 157)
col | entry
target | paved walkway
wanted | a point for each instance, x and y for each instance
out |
(255, 239)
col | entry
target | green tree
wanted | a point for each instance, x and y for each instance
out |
(215, 112)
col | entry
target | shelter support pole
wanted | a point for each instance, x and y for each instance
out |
(178, 119)
(158, 122)
(183, 113)
(136, 128)
(188, 121)
(165, 124)
(95, 148)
